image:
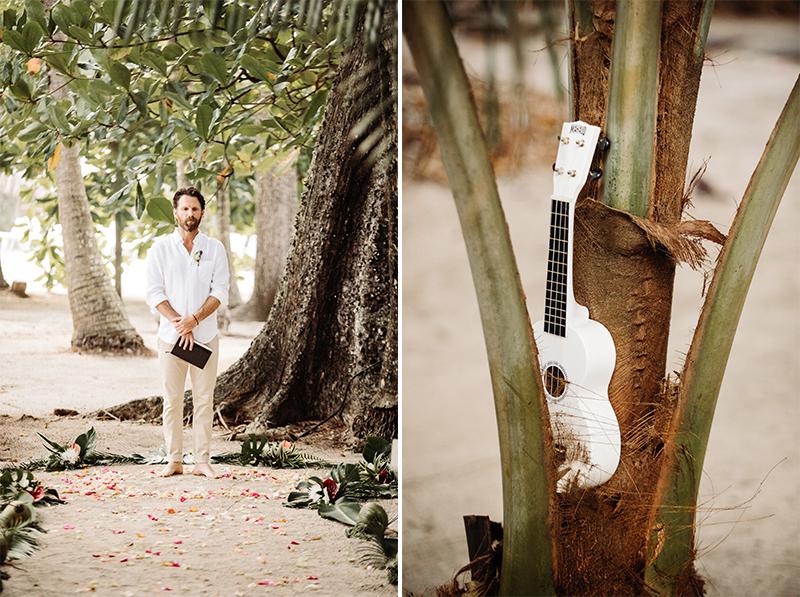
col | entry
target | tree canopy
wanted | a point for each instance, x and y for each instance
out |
(226, 87)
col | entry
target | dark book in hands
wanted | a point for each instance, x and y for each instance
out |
(198, 356)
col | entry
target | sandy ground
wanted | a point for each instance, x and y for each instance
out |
(124, 531)
(749, 522)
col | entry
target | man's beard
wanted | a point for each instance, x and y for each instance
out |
(190, 224)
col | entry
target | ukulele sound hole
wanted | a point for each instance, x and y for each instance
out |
(555, 382)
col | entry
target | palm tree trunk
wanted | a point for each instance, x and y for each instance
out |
(98, 317)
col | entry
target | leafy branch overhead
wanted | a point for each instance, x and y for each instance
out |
(230, 86)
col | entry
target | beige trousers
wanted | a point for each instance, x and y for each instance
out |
(173, 373)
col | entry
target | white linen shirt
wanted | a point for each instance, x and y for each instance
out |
(175, 275)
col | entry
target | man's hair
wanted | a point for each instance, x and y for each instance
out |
(192, 192)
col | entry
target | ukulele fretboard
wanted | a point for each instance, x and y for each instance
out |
(555, 304)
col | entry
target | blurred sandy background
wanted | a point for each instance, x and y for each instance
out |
(749, 537)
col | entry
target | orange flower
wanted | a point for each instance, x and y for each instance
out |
(34, 65)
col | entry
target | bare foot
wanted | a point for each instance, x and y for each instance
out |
(204, 469)
(173, 468)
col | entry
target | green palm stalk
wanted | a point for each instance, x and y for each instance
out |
(519, 401)
(672, 532)
(632, 100)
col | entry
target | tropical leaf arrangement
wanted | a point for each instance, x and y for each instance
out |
(338, 497)
(372, 478)
(78, 454)
(255, 452)
(20, 494)
(378, 546)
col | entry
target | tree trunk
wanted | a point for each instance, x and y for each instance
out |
(119, 224)
(330, 343)
(276, 207)
(224, 232)
(625, 278)
(98, 316)
(180, 173)
(3, 283)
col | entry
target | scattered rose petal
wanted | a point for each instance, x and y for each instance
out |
(68, 527)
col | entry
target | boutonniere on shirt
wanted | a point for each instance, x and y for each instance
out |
(197, 256)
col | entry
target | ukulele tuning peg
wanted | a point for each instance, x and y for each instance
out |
(603, 144)
(595, 174)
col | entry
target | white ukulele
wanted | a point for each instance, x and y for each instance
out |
(576, 354)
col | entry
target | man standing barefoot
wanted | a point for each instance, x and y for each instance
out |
(187, 280)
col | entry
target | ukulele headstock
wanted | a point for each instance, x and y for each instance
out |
(576, 147)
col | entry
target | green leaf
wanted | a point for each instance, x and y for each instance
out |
(32, 132)
(155, 62)
(58, 118)
(9, 19)
(120, 74)
(108, 10)
(316, 103)
(256, 69)
(29, 37)
(34, 9)
(11, 104)
(140, 99)
(172, 52)
(13, 39)
(140, 201)
(86, 441)
(63, 17)
(20, 89)
(202, 119)
(160, 209)
(376, 446)
(83, 12)
(59, 61)
(51, 445)
(200, 173)
(122, 113)
(80, 34)
(343, 511)
(214, 65)
(118, 52)
(163, 113)
(199, 39)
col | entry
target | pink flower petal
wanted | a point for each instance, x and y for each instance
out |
(68, 527)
